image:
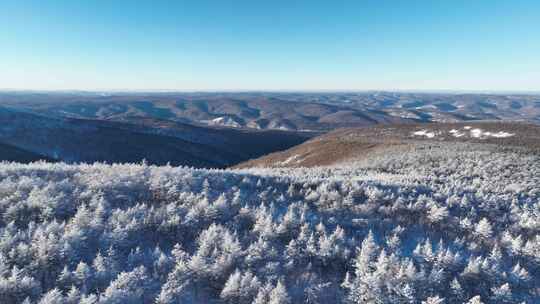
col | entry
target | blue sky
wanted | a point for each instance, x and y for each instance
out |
(270, 45)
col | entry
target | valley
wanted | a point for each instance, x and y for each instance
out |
(76, 140)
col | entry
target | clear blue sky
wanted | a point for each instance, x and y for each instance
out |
(270, 45)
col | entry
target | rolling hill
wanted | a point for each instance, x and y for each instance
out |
(284, 111)
(346, 145)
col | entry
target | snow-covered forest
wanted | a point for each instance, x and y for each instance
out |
(427, 224)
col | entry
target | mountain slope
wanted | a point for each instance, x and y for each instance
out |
(78, 140)
(353, 144)
(14, 154)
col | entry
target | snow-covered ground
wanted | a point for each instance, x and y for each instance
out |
(292, 159)
(479, 133)
(426, 133)
(467, 131)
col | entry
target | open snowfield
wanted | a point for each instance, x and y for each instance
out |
(452, 222)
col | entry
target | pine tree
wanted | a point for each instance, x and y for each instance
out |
(231, 291)
(366, 285)
(263, 294)
(65, 279)
(54, 296)
(27, 301)
(83, 275)
(364, 260)
(89, 299)
(249, 285)
(502, 293)
(129, 287)
(101, 271)
(519, 275)
(483, 229)
(457, 290)
(73, 296)
(475, 300)
(279, 295)
(433, 300)
(206, 188)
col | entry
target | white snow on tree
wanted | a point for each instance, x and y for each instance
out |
(429, 224)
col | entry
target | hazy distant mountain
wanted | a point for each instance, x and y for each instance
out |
(254, 111)
(284, 111)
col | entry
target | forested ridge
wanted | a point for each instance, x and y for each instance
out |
(444, 223)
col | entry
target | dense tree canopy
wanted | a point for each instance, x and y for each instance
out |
(430, 224)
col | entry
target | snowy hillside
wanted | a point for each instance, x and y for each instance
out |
(456, 222)
(346, 145)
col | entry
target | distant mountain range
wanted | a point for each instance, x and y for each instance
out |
(218, 129)
(285, 111)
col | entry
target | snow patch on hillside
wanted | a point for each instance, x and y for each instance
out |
(425, 133)
(502, 134)
(295, 159)
(479, 133)
(467, 132)
(254, 125)
(284, 128)
(456, 133)
(223, 121)
(404, 114)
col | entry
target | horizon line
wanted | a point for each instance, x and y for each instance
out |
(185, 91)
